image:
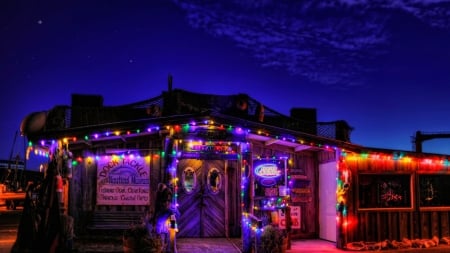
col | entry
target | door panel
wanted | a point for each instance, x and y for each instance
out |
(327, 201)
(213, 218)
(201, 198)
(189, 199)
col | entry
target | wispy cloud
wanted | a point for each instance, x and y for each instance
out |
(329, 42)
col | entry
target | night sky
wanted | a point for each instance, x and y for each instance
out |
(382, 66)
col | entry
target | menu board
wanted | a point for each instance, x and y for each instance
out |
(301, 191)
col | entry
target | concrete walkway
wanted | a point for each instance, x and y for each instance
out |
(224, 245)
(313, 246)
(206, 245)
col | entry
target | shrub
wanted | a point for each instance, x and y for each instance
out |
(138, 239)
(272, 240)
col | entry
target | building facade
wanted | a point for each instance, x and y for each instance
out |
(236, 166)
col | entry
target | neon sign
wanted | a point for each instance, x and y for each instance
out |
(211, 147)
(267, 170)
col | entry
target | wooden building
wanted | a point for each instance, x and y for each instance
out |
(235, 166)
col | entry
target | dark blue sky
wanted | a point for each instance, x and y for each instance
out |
(382, 67)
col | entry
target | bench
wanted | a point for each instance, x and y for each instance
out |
(114, 220)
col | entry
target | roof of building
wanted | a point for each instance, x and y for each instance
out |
(87, 114)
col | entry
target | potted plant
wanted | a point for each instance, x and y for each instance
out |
(273, 240)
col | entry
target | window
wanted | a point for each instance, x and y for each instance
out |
(386, 191)
(189, 180)
(434, 191)
(214, 180)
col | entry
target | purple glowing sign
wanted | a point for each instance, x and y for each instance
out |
(268, 173)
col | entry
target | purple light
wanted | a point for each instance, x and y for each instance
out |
(239, 130)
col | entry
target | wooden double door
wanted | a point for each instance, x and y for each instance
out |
(201, 198)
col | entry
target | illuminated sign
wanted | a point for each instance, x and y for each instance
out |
(267, 174)
(123, 181)
(211, 147)
(267, 170)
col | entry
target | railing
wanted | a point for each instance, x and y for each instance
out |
(251, 228)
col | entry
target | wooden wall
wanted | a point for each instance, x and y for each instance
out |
(379, 224)
(82, 189)
(304, 164)
(309, 202)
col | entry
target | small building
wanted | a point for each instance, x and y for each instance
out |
(235, 166)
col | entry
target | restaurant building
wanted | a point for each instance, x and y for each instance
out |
(235, 166)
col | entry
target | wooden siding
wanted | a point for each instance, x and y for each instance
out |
(306, 162)
(82, 190)
(381, 224)
(233, 176)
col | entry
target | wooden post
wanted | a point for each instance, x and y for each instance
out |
(341, 241)
(172, 240)
(66, 195)
(288, 226)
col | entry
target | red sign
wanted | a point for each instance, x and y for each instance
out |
(295, 218)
